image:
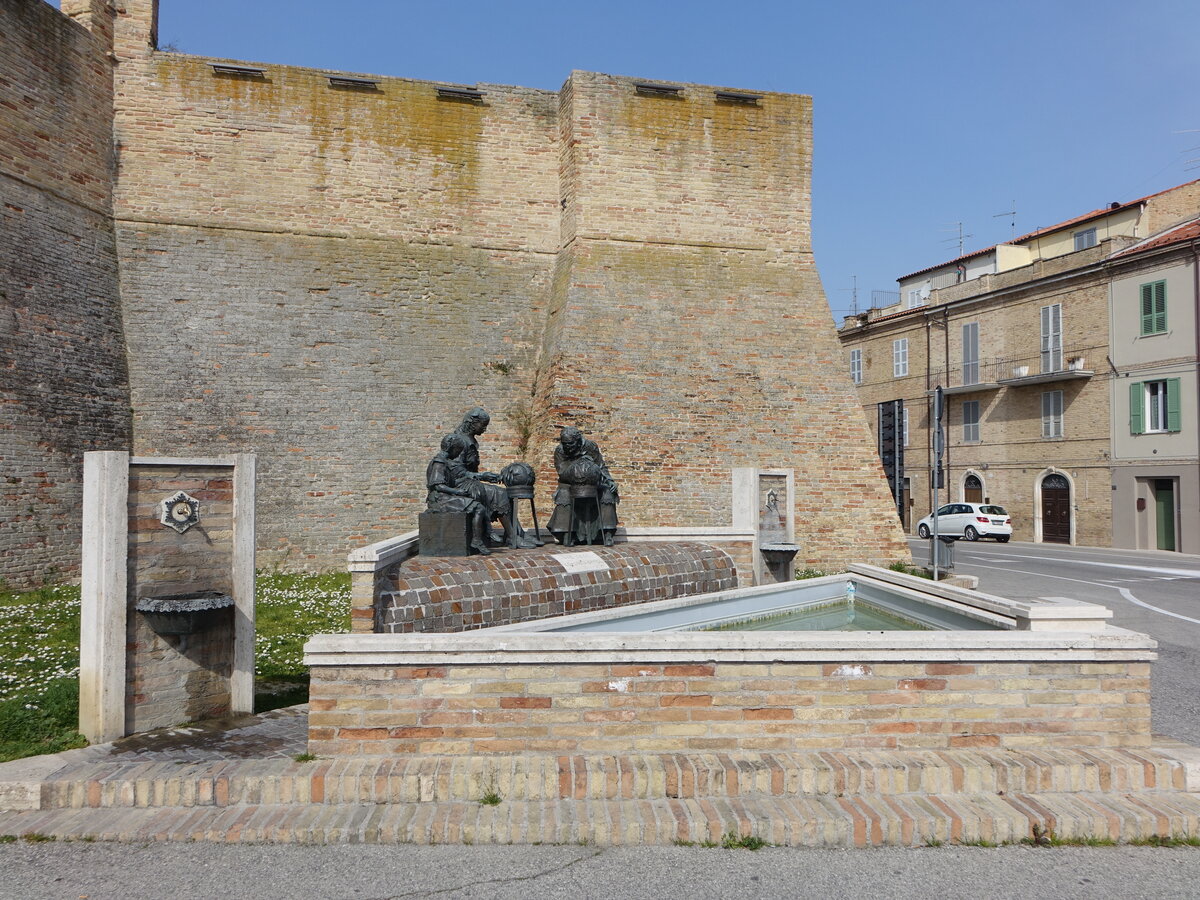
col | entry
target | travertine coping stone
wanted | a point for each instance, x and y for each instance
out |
(1042, 614)
(476, 648)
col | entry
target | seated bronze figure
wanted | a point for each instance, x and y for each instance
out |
(446, 494)
(585, 504)
(486, 487)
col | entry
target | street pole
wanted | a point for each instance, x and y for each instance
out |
(939, 446)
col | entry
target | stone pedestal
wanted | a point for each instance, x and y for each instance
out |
(445, 534)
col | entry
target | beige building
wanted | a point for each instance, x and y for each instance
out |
(1156, 485)
(1068, 359)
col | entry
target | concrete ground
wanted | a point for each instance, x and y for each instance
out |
(209, 871)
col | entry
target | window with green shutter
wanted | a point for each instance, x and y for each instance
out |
(1154, 307)
(1173, 417)
(1154, 406)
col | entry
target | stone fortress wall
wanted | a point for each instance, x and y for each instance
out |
(329, 276)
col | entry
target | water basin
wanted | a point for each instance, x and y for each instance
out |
(835, 603)
(837, 615)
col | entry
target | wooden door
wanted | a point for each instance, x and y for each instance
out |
(973, 489)
(1056, 510)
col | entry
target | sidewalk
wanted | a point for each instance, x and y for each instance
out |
(237, 781)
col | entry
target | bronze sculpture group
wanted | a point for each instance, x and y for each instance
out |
(585, 502)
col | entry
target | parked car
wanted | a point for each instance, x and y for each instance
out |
(969, 520)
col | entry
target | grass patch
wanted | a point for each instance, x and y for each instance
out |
(734, 841)
(1175, 840)
(42, 722)
(906, 569)
(491, 798)
(39, 654)
(39, 640)
(304, 757)
(290, 609)
(804, 574)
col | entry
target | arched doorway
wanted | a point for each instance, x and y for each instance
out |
(1056, 509)
(972, 489)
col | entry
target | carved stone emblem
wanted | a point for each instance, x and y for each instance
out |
(180, 511)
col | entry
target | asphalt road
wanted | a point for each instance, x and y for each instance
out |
(290, 872)
(1151, 591)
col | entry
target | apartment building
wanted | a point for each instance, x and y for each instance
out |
(1068, 360)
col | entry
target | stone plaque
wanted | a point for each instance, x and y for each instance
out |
(772, 508)
(586, 561)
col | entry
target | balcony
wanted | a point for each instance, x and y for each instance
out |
(1066, 365)
(984, 375)
(1010, 371)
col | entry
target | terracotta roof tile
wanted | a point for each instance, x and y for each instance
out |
(1188, 231)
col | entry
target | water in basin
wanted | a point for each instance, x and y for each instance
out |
(845, 615)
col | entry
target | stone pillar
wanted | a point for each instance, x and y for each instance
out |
(103, 595)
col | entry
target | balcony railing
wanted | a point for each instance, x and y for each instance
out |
(988, 373)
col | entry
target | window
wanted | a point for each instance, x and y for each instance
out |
(900, 357)
(970, 409)
(970, 353)
(856, 366)
(1052, 414)
(1052, 359)
(906, 426)
(915, 298)
(1154, 406)
(1154, 307)
(1085, 239)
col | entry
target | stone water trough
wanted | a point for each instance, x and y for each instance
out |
(1043, 674)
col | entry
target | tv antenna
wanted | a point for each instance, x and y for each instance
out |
(853, 289)
(1194, 163)
(961, 238)
(1011, 215)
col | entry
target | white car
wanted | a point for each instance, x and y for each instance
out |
(969, 520)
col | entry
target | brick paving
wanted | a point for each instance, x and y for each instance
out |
(278, 734)
(237, 781)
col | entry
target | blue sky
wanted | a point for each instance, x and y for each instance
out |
(926, 113)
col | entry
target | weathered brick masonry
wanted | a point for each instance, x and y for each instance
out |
(63, 383)
(562, 708)
(450, 595)
(329, 277)
(168, 680)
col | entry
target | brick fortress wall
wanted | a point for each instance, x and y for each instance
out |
(338, 274)
(329, 276)
(690, 328)
(63, 383)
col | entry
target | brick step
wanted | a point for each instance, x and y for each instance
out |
(816, 821)
(633, 777)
